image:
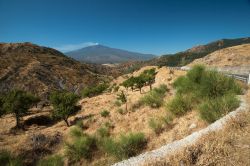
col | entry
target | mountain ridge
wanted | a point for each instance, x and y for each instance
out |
(101, 54)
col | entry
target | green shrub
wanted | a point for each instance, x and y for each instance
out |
(105, 113)
(103, 131)
(55, 160)
(108, 125)
(121, 111)
(213, 109)
(207, 88)
(95, 90)
(6, 158)
(155, 97)
(167, 120)
(118, 103)
(126, 146)
(179, 105)
(79, 123)
(215, 84)
(82, 147)
(116, 88)
(156, 125)
(76, 132)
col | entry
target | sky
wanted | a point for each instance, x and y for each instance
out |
(146, 26)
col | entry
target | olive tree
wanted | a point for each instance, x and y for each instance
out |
(149, 76)
(129, 83)
(139, 82)
(18, 102)
(64, 105)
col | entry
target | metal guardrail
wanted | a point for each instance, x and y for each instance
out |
(243, 78)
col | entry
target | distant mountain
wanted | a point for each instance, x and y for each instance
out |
(186, 57)
(42, 70)
(102, 55)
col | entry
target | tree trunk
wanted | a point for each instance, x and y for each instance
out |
(126, 106)
(150, 85)
(140, 90)
(66, 121)
(18, 125)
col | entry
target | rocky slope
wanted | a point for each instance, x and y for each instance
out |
(41, 70)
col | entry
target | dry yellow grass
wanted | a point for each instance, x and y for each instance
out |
(231, 56)
(230, 146)
(132, 121)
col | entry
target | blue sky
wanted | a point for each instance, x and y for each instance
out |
(147, 26)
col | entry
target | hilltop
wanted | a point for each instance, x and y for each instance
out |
(232, 56)
(101, 54)
(41, 70)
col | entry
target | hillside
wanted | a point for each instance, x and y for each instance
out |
(231, 56)
(41, 70)
(104, 55)
(185, 57)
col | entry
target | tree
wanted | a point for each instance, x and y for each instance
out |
(129, 83)
(123, 98)
(64, 105)
(149, 76)
(1, 106)
(18, 102)
(139, 82)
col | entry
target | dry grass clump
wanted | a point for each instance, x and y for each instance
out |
(227, 147)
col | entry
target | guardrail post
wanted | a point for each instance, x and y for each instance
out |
(248, 79)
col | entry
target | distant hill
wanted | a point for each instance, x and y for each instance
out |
(234, 59)
(41, 70)
(100, 54)
(185, 57)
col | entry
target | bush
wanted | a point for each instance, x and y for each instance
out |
(209, 89)
(105, 113)
(213, 109)
(55, 160)
(121, 111)
(116, 88)
(82, 147)
(206, 83)
(215, 84)
(118, 103)
(6, 158)
(156, 125)
(79, 123)
(103, 131)
(76, 132)
(155, 97)
(126, 146)
(179, 105)
(95, 90)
